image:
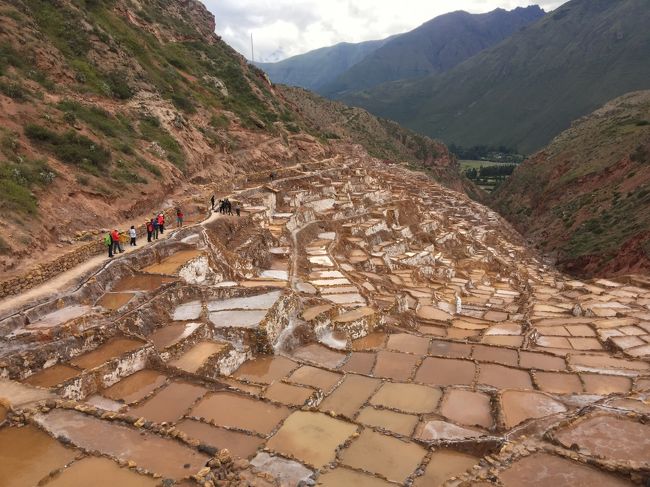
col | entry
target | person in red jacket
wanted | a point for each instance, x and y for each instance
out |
(149, 226)
(161, 223)
(179, 217)
(115, 236)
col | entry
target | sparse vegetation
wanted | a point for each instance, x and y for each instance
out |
(70, 147)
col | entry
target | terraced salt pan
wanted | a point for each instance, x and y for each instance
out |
(237, 411)
(239, 444)
(170, 403)
(310, 437)
(542, 470)
(135, 387)
(105, 352)
(322, 260)
(28, 455)
(166, 457)
(435, 430)
(443, 465)
(519, 406)
(171, 334)
(173, 263)
(237, 319)
(353, 298)
(141, 282)
(100, 472)
(394, 459)
(330, 282)
(52, 376)
(59, 317)
(261, 301)
(114, 301)
(612, 437)
(188, 311)
(275, 274)
(196, 357)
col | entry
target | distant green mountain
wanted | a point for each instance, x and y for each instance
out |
(434, 47)
(524, 91)
(316, 68)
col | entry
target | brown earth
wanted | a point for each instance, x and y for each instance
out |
(585, 199)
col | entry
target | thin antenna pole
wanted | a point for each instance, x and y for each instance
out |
(252, 50)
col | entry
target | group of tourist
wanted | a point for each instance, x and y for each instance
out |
(226, 206)
(154, 227)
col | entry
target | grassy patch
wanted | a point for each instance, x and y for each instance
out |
(17, 179)
(96, 117)
(14, 90)
(70, 147)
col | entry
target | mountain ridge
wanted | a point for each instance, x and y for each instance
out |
(436, 45)
(540, 79)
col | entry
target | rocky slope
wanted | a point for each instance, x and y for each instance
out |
(110, 111)
(586, 197)
(526, 90)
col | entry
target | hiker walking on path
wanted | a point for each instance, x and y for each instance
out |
(156, 228)
(133, 234)
(222, 206)
(179, 217)
(115, 236)
(149, 226)
(238, 209)
(161, 223)
(212, 202)
(108, 242)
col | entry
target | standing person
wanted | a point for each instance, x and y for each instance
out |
(108, 242)
(229, 206)
(221, 207)
(212, 202)
(115, 236)
(179, 217)
(156, 228)
(237, 209)
(149, 226)
(161, 223)
(133, 234)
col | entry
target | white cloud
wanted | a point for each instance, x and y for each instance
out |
(284, 28)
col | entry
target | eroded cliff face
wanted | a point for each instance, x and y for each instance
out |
(585, 199)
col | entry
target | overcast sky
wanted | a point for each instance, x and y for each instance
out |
(284, 28)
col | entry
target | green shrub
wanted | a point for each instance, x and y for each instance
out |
(16, 197)
(153, 169)
(127, 176)
(183, 103)
(119, 86)
(70, 147)
(14, 90)
(38, 133)
(641, 155)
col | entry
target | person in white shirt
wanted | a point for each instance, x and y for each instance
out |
(133, 234)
